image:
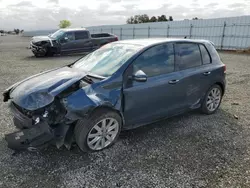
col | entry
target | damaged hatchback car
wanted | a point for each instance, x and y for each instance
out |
(120, 86)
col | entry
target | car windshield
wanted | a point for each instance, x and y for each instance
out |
(108, 59)
(57, 34)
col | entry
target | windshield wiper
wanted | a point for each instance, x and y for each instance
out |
(89, 80)
(95, 76)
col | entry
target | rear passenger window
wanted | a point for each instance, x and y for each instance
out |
(204, 54)
(81, 35)
(156, 60)
(189, 55)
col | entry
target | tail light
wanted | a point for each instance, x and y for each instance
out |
(116, 39)
(225, 68)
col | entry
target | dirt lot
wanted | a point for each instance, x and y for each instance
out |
(191, 150)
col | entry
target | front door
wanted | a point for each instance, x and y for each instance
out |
(156, 98)
(68, 42)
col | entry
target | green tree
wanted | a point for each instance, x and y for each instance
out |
(162, 18)
(153, 19)
(64, 23)
(195, 18)
(170, 18)
(143, 18)
(130, 20)
(17, 31)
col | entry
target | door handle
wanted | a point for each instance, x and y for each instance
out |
(206, 73)
(173, 81)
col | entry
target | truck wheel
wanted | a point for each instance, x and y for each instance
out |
(49, 53)
(99, 131)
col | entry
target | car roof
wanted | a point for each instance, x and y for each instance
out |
(154, 41)
(74, 29)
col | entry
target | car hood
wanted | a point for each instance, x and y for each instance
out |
(41, 38)
(39, 90)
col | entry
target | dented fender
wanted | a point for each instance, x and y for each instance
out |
(83, 101)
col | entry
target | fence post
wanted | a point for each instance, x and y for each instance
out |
(111, 29)
(133, 32)
(190, 31)
(121, 33)
(223, 35)
(148, 31)
(168, 31)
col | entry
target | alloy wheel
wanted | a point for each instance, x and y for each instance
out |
(103, 134)
(213, 99)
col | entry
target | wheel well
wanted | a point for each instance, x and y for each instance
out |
(108, 108)
(221, 86)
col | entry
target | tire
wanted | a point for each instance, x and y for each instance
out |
(49, 53)
(210, 99)
(85, 129)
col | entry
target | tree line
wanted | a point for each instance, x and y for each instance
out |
(144, 18)
(15, 31)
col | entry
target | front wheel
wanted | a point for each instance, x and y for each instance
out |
(99, 131)
(212, 100)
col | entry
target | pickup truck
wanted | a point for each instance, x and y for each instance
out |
(65, 41)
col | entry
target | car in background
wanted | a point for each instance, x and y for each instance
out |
(119, 86)
(66, 41)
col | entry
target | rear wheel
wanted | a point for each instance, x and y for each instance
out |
(212, 100)
(99, 131)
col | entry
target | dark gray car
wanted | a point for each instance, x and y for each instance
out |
(66, 41)
(120, 86)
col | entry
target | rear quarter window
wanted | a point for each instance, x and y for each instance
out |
(206, 59)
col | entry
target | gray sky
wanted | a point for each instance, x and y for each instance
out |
(46, 14)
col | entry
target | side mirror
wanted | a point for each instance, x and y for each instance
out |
(66, 38)
(140, 76)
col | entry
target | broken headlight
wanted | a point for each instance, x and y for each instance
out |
(38, 100)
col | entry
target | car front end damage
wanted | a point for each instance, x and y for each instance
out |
(37, 128)
(43, 45)
(46, 112)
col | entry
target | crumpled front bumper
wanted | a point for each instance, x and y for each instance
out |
(37, 50)
(31, 138)
(34, 134)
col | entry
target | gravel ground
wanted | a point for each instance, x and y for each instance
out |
(191, 150)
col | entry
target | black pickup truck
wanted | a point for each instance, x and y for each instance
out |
(65, 41)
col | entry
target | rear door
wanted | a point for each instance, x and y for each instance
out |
(190, 74)
(83, 41)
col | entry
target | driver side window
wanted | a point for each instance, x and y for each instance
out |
(69, 36)
(156, 61)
